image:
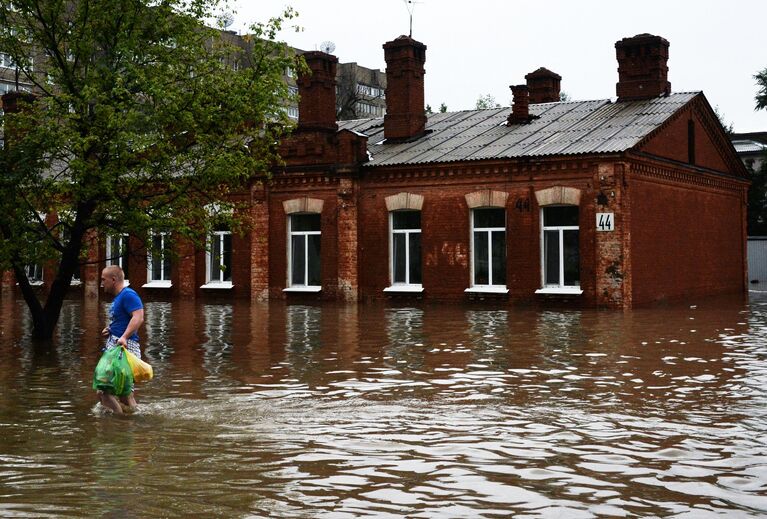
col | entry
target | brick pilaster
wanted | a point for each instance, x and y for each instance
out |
(8, 282)
(259, 243)
(613, 272)
(348, 271)
(187, 282)
(92, 270)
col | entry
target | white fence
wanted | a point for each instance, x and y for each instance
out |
(757, 262)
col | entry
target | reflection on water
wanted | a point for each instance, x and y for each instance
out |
(372, 410)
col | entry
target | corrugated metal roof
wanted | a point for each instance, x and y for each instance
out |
(566, 128)
(748, 146)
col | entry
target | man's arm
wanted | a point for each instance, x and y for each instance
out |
(136, 320)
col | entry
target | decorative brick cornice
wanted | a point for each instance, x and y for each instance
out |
(471, 170)
(680, 176)
(293, 181)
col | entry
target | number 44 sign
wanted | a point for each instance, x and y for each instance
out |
(605, 221)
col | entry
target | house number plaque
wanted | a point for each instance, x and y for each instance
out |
(605, 221)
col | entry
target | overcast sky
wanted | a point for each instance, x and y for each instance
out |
(479, 47)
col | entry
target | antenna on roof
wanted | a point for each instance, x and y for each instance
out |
(410, 4)
(226, 19)
(327, 47)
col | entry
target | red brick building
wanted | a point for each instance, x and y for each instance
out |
(591, 203)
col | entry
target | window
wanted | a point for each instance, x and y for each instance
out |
(117, 253)
(293, 112)
(218, 263)
(34, 269)
(6, 61)
(405, 250)
(34, 273)
(158, 261)
(560, 251)
(367, 109)
(304, 251)
(65, 237)
(488, 244)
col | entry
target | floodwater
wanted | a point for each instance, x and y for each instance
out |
(340, 411)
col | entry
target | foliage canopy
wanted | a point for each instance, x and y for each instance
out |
(143, 117)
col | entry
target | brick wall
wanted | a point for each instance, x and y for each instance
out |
(686, 240)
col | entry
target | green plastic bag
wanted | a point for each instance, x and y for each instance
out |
(113, 373)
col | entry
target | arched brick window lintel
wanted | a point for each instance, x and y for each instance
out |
(404, 200)
(486, 198)
(303, 205)
(558, 195)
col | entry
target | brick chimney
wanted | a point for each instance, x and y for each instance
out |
(543, 85)
(642, 69)
(405, 118)
(317, 92)
(14, 101)
(520, 106)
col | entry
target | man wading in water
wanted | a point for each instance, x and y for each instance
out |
(127, 314)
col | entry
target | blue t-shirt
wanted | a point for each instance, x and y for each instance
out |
(126, 302)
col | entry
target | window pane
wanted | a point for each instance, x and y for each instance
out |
(297, 263)
(551, 257)
(489, 218)
(406, 219)
(558, 216)
(123, 248)
(571, 258)
(215, 258)
(156, 266)
(314, 260)
(227, 259)
(305, 222)
(415, 258)
(481, 259)
(499, 258)
(156, 252)
(166, 267)
(398, 258)
(34, 272)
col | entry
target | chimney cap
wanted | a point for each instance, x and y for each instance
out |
(542, 72)
(641, 38)
(403, 41)
(318, 54)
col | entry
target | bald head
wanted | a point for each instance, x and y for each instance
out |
(114, 271)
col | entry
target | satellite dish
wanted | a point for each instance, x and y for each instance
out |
(226, 19)
(327, 47)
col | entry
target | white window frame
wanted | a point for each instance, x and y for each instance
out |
(291, 233)
(164, 281)
(35, 267)
(216, 238)
(560, 288)
(65, 216)
(491, 287)
(110, 260)
(407, 286)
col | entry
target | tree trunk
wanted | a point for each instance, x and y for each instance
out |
(45, 318)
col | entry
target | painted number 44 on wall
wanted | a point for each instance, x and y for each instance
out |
(605, 221)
